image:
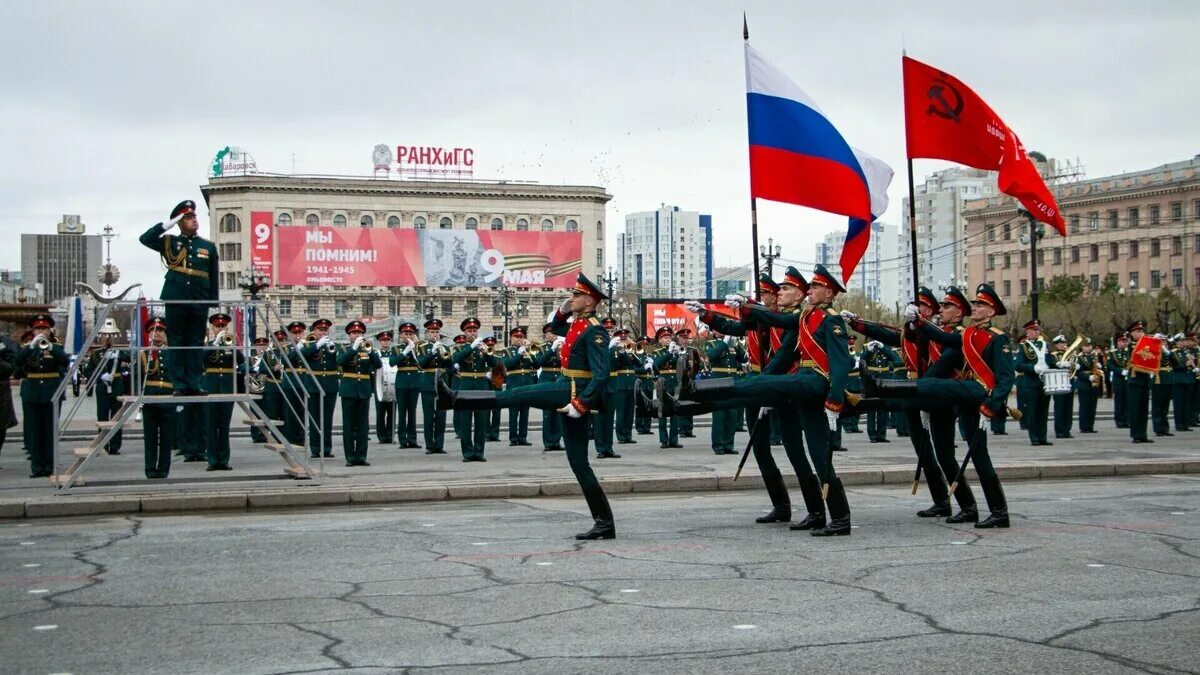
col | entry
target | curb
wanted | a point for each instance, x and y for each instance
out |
(302, 497)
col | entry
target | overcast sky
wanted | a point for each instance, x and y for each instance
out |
(114, 110)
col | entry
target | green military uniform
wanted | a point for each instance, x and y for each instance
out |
(322, 393)
(623, 403)
(474, 367)
(158, 419)
(408, 386)
(1137, 386)
(262, 366)
(292, 385)
(882, 364)
(271, 368)
(1160, 394)
(686, 423)
(1033, 396)
(664, 366)
(355, 388)
(899, 420)
(616, 399)
(221, 368)
(1087, 366)
(1117, 367)
(385, 411)
(724, 361)
(111, 383)
(519, 364)
(1191, 383)
(1064, 404)
(1183, 378)
(849, 423)
(42, 373)
(644, 388)
(8, 413)
(432, 357)
(549, 365)
(192, 268)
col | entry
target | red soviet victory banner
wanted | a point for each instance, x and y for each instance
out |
(945, 119)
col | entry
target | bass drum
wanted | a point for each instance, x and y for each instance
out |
(385, 384)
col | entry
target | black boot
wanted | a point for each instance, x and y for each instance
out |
(938, 510)
(893, 389)
(965, 515)
(597, 502)
(994, 519)
(463, 400)
(993, 494)
(810, 487)
(839, 512)
(782, 511)
(712, 390)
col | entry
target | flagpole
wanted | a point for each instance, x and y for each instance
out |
(753, 200)
(922, 345)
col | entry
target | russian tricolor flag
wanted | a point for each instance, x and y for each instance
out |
(798, 157)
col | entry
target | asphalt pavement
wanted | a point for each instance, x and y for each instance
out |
(1096, 576)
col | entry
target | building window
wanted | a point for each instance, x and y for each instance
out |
(991, 233)
(600, 257)
(284, 219)
(341, 307)
(285, 306)
(1196, 244)
(447, 308)
(366, 221)
(1114, 221)
(547, 225)
(311, 307)
(1133, 217)
(229, 280)
(1007, 260)
(1197, 275)
(1176, 212)
(600, 230)
(1057, 256)
(339, 220)
(1110, 279)
(471, 308)
(547, 307)
(1094, 282)
(419, 222)
(1114, 250)
(1154, 214)
(497, 224)
(312, 219)
(1094, 253)
(1134, 280)
(393, 221)
(1155, 248)
(522, 225)
(1074, 223)
(1196, 209)
(1155, 279)
(472, 224)
(368, 308)
(1093, 221)
(230, 223)
(1024, 287)
(497, 331)
(1176, 245)
(1024, 259)
(445, 223)
(1177, 277)
(1042, 256)
(1007, 232)
(1007, 288)
(1133, 249)
(991, 261)
(1074, 254)
(231, 252)
(572, 226)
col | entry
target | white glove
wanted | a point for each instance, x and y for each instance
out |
(693, 306)
(3, 345)
(649, 363)
(911, 312)
(1124, 373)
(570, 411)
(832, 418)
(412, 345)
(558, 343)
(730, 340)
(848, 315)
(735, 300)
(615, 342)
(673, 347)
(112, 353)
(441, 348)
(173, 222)
(357, 343)
(457, 367)
(1165, 350)
(107, 378)
(984, 422)
(1040, 367)
(925, 420)
(521, 350)
(478, 341)
(322, 342)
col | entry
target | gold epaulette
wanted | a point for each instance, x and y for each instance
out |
(592, 320)
(995, 330)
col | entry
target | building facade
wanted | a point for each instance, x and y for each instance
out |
(666, 253)
(877, 275)
(941, 227)
(730, 280)
(54, 263)
(367, 203)
(1137, 230)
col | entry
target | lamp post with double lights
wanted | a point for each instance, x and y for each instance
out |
(517, 309)
(253, 282)
(769, 253)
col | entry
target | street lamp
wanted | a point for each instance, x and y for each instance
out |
(252, 281)
(769, 253)
(508, 295)
(1036, 232)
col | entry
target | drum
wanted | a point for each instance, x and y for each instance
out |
(385, 384)
(1056, 381)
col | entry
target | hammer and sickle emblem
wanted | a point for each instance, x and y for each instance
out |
(946, 108)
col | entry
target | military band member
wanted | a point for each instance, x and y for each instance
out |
(549, 363)
(619, 395)
(474, 362)
(1088, 382)
(41, 363)
(385, 411)
(849, 423)
(407, 360)
(1160, 391)
(1183, 361)
(112, 382)
(259, 368)
(158, 419)
(982, 392)
(687, 425)
(1143, 369)
(881, 363)
(580, 390)
(663, 363)
(1117, 365)
(8, 412)
(432, 356)
(1064, 404)
(520, 372)
(292, 384)
(644, 388)
(320, 352)
(1032, 361)
(223, 370)
(624, 403)
(358, 363)
(724, 360)
(190, 289)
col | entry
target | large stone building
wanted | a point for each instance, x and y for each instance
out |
(1138, 230)
(56, 262)
(666, 253)
(877, 275)
(365, 203)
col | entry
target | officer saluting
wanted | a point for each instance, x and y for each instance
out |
(191, 276)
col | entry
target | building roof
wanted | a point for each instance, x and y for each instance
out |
(402, 188)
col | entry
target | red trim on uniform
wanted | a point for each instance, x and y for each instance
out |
(975, 340)
(806, 341)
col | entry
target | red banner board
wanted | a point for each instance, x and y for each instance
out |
(262, 242)
(658, 313)
(358, 256)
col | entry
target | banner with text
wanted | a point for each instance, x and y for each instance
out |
(356, 256)
(657, 313)
(262, 242)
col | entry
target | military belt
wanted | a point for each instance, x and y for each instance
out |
(666, 372)
(163, 384)
(190, 272)
(474, 374)
(878, 369)
(518, 372)
(326, 373)
(619, 372)
(41, 376)
(219, 371)
(357, 376)
(578, 374)
(408, 369)
(551, 370)
(755, 368)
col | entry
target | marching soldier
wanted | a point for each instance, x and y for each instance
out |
(1117, 366)
(41, 363)
(983, 390)
(579, 391)
(549, 364)
(881, 363)
(724, 360)
(358, 363)
(221, 367)
(321, 354)
(158, 419)
(292, 384)
(432, 357)
(663, 363)
(1088, 382)
(519, 364)
(111, 383)
(1144, 359)
(687, 424)
(1160, 391)
(407, 360)
(1034, 359)
(474, 363)
(1064, 404)
(190, 289)
(385, 411)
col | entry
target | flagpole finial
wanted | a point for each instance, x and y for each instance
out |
(745, 27)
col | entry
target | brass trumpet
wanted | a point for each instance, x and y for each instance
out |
(41, 342)
(223, 340)
(312, 337)
(366, 346)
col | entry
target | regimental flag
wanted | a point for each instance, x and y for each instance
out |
(798, 157)
(945, 119)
